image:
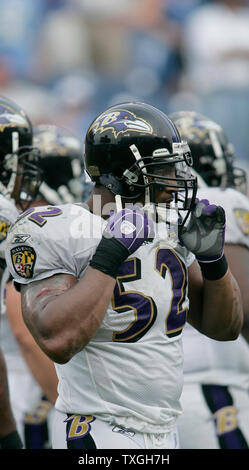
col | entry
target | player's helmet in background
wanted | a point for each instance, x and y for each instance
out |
(18, 158)
(213, 154)
(130, 147)
(61, 163)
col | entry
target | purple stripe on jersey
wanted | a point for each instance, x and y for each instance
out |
(220, 403)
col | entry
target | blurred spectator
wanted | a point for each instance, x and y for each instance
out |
(215, 47)
(154, 42)
(107, 38)
(20, 22)
(216, 42)
(36, 99)
(83, 34)
(63, 42)
(179, 10)
(75, 100)
(150, 52)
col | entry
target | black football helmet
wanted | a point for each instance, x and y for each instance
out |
(130, 148)
(61, 163)
(18, 158)
(213, 154)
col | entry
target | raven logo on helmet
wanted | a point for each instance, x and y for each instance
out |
(119, 122)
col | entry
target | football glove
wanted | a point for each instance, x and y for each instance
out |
(205, 233)
(130, 227)
(123, 235)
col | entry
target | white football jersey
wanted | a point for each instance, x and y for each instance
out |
(207, 360)
(8, 215)
(130, 373)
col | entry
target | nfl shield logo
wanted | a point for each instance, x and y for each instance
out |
(23, 259)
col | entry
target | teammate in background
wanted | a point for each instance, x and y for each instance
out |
(60, 162)
(14, 160)
(215, 395)
(106, 296)
(20, 174)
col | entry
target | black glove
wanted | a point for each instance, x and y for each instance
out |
(205, 233)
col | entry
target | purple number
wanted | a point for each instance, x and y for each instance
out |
(39, 217)
(143, 306)
(168, 261)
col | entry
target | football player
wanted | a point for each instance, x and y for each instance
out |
(60, 162)
(14, 158)
(105, 288)
(215, 396)
(30, 372)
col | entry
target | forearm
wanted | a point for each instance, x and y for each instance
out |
(63, 323)
(238, 259)
(222, 314)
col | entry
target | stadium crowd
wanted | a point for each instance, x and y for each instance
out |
(66, 61)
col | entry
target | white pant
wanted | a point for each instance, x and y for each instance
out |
(214, 417)
(87, 432)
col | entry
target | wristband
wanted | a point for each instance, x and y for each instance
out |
(215, 270)
(11, 441)
(109, 255)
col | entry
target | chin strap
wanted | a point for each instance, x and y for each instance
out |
(118, 201)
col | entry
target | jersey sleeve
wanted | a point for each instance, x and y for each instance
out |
(8, 215)
(50, 240)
